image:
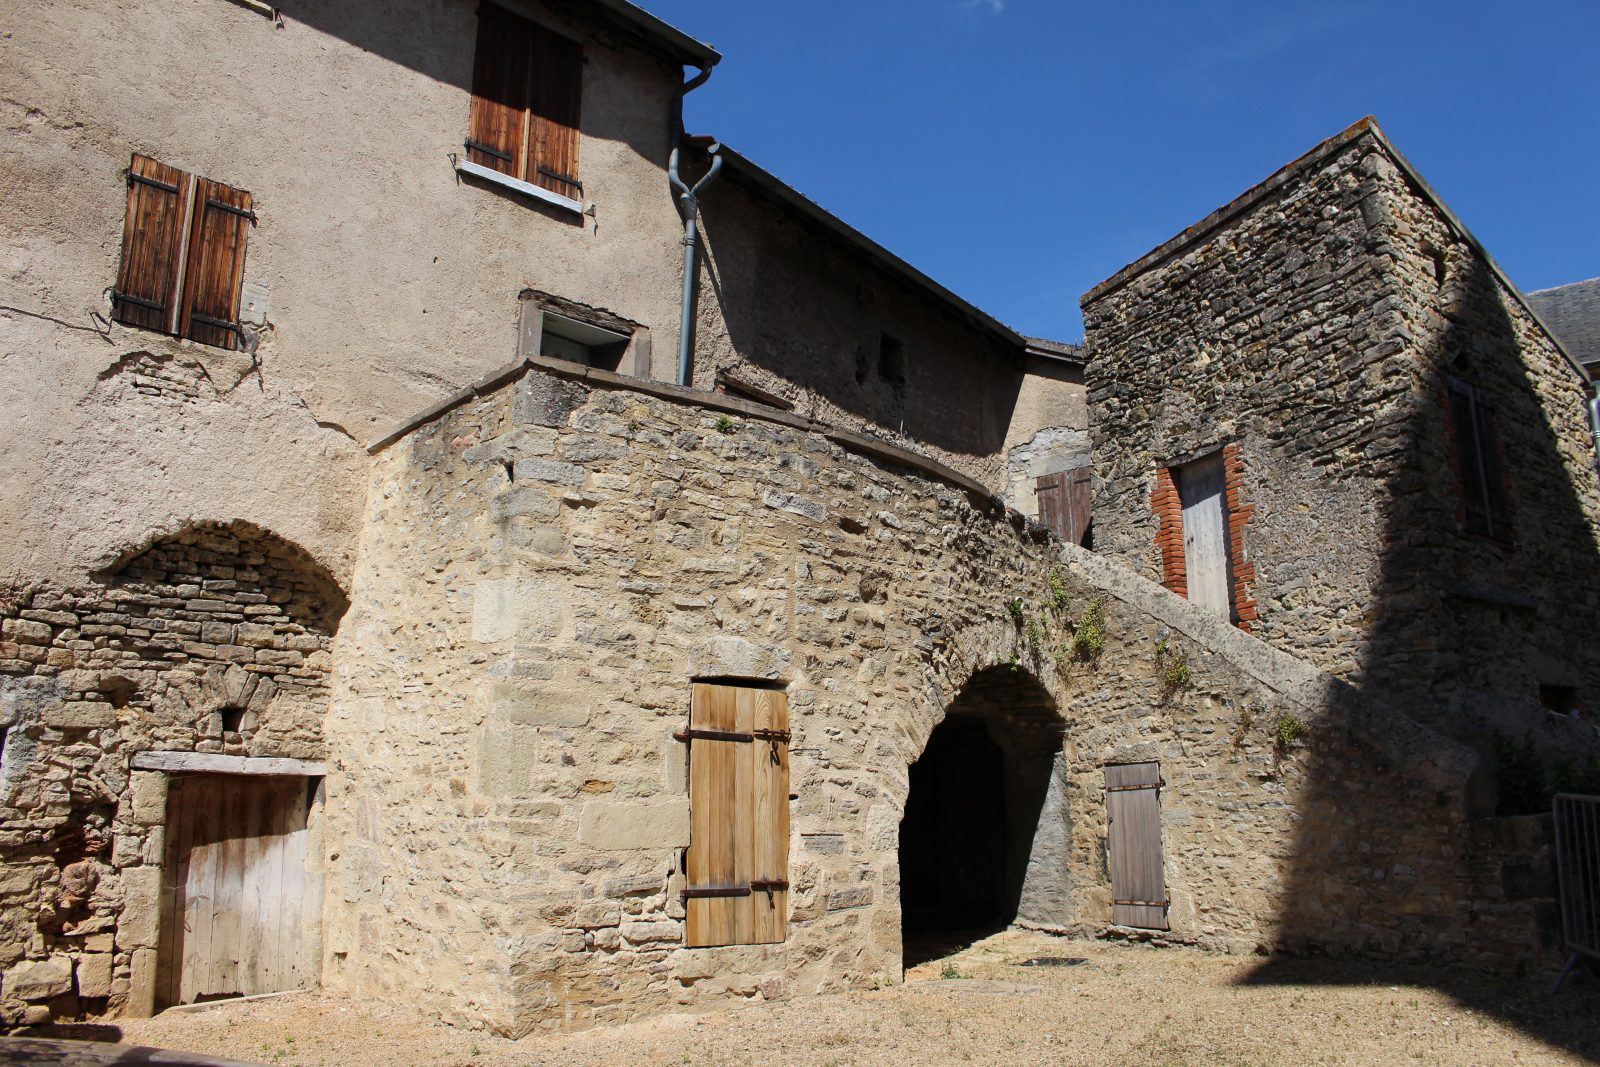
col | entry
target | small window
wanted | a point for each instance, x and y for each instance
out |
(527, 87)
(185, 287)
(737, 863)
(580, 342)
(892, 362)
(1477, 455)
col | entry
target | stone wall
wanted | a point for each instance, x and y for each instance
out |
(216, 640)
(548, 565)
(1313, 325)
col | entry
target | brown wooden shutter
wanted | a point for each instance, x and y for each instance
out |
(501, 92)
(215, 265)
(556, 107)
(1065, 501)
(738, 858)
(1138, 879)
(152, 241)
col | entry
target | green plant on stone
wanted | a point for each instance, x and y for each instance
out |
(1289, 732)
(1035, 636)
(1059, 599)
(1175, 672)
(1018, 613)
(949, 970)
(724, 424)
(1088, 636)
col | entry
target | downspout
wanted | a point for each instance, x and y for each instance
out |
(689, 208)
(1594, 418)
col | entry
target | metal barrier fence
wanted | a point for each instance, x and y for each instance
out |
(1577, 820)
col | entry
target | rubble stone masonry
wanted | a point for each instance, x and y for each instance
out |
(547, 566)
(1312, 328)
(212, 640)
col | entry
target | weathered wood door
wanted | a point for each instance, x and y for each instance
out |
(738, 859)
(234, 905)
(1133, 846)
(1205, 535)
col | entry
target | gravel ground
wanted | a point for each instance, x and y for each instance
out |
(1129, 1005)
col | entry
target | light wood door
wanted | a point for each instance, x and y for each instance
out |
(234, 905)
(1205, 535)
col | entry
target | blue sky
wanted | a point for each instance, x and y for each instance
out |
(1021, 150)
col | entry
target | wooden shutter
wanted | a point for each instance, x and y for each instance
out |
(1483, 492)
(553, 123)
(501, 92)
(215, 265)
(152, 243)
(1133, 813)
(738, 858)
(1065, 502)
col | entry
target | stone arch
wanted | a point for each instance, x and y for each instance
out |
(232, 627)
(985, 835)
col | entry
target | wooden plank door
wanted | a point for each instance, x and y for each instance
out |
(1205, 535)
(1065, 501)
(1138, 877)
(234, 909)
(737, 864)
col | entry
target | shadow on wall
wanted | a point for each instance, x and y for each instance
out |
(796, 304)
(978, 840)
(1470, 607)
(439, 42)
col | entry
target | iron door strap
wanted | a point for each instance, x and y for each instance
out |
(755, 885)
(699, 892)
(697, 734)
(223, 205)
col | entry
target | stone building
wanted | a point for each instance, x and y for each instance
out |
(387, 607)
(1331, 381)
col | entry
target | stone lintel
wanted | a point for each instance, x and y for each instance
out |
(215, 763)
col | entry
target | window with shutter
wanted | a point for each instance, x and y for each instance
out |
(1065, 503)
(1477, 455)
(737, 863)
(527, 88)
(188, 288)
(152, 242)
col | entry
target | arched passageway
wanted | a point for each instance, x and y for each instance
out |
(985, 833)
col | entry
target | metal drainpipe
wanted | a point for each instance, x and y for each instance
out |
(689, 208)
(1594, 418)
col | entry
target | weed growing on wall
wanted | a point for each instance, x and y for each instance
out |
(1059, 599)
(1174, 668)
(1015, 609)
(1088, 636)
(1289, 732)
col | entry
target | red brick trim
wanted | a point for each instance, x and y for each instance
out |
(1239, 513)
(1169, 535)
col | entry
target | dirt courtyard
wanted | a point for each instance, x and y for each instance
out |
(1120, 1004)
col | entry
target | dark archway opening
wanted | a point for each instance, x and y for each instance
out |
(980, 841)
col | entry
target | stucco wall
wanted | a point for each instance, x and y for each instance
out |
(1315, 331)
(545, 568)
(391, 281)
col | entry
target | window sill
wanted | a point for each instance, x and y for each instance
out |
(527, 189)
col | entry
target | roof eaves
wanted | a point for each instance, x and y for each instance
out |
(679, 44)
(789, 197)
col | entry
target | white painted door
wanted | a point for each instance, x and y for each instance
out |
(1205, 534)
